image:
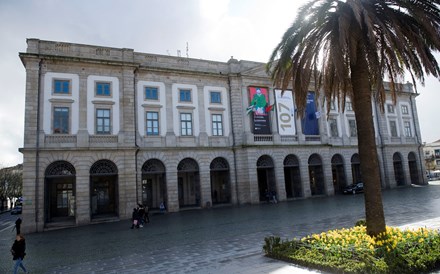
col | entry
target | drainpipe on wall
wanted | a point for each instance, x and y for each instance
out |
(418, 140)
(37, 149)
(233, 140)
(135, 72)
(382, 149)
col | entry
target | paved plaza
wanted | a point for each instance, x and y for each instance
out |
(217, 240)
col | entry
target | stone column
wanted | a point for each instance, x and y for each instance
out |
(82, 197)
(172, 190)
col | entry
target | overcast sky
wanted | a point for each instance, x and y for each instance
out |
(213, 29)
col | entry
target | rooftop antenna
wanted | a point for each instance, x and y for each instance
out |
(187, 50)
(178, 53)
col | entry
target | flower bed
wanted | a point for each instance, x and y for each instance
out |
(354, 251)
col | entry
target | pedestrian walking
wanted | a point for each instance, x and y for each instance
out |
(162, 208)
(141, 215)
(135, 218)
(17, 226)
(18, 251)
(274, 197)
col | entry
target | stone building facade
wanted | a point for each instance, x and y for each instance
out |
(107, 128)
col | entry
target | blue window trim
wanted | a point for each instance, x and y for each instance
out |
(102, 89)
(185, 95)
(216, 97)
(186, 127)
(61, 120)
(151, 93)
(152, 123)
(61, 86)
(103, 121)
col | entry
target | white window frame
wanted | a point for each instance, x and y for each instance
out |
(407, 128)
(103, 132)
(352, 129)
(154, 121)
(333, 125)
(184, 129)
(390, 109)
(405, 109)
(218, 129)
(395, 127)
(68, 119)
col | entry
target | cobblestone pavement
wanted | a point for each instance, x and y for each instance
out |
(218, 240)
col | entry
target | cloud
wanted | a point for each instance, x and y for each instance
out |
(214, 30)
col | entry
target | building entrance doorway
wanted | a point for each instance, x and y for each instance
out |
(316, 175)
(103, 189)
(188, 183)
(266, 178)
(338, 174)
(292, 177)
(398, 169)
(60, 192)
(154, 191)
(220, 183)
(413, 170)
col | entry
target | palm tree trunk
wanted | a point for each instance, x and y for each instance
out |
(375, 217)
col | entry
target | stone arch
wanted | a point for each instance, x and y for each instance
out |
(188, 183)
(104, 189)
(220, 181)
(338, 173)
(292, 177)
(399, 174)
(413, 168)
(316, 175)
(154, 189)
(60, 189)
(266, 178)
(356, 168)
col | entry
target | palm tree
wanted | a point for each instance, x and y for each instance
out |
(348, 47)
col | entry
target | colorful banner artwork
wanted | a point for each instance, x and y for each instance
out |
(285, 112)
(259, 108)
(310, 125)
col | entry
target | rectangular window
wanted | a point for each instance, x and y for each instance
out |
(390, 108)
(348, 106)
(393, 128)
(405, 109)
(437, 153)
(407, 128)
(103, 121)
(185, 95)
(102, 89)
(333, 128)
(217, 125)
(152, 123)
(216, 97)
(186, 124)
(332, 105)
(61, 86)
(151, 93)
(353, 130)
(61, 120)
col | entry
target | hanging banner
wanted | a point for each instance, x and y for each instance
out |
(285, 112)
(259, 108)
(310, 125)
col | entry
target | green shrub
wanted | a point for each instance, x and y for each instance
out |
(353, 251)
(361, 222)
